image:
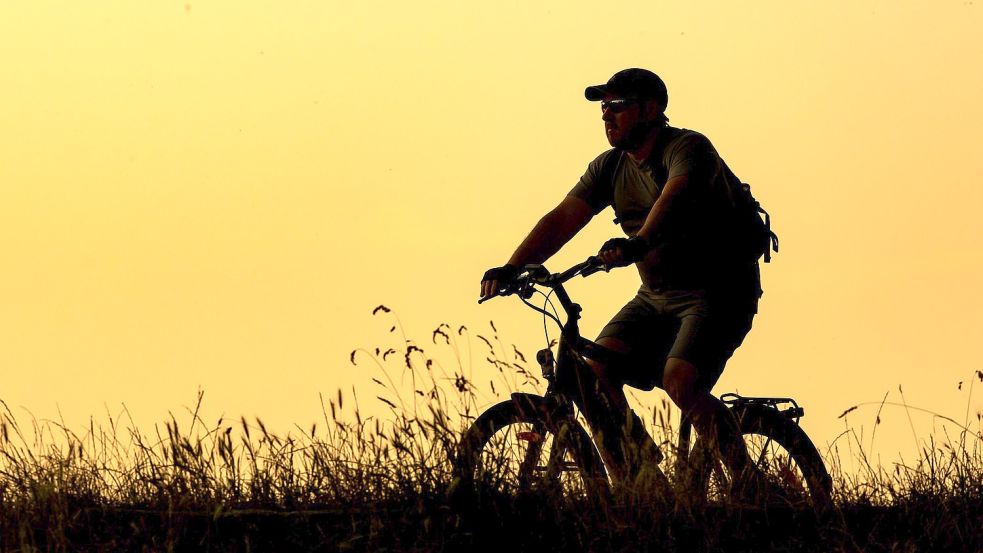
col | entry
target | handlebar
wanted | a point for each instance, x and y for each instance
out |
(532, 275)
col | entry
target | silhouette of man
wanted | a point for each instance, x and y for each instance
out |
(670, 190)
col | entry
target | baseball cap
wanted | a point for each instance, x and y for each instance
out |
(631, 83)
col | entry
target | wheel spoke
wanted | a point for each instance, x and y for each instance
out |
(516, 453)
(776, 449)
(782, 474)
(764, 449)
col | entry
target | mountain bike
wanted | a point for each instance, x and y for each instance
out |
(532, 442)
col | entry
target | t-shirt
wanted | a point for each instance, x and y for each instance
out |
(689, 253)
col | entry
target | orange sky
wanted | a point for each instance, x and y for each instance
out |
(216, 194)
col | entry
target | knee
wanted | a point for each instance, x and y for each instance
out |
(600, 369)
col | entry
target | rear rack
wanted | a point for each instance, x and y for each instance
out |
(793, 411)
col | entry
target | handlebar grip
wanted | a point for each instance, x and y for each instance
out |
(507, 290)
(591, 270)
(594, 264)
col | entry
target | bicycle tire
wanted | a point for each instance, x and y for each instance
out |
(571, 450)
(812, 483)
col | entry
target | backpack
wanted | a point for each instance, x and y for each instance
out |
(753, 237)
(749, 236)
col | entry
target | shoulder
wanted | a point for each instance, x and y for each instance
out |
(607, 156)
(605, 162)
(690, 153)
(688, 141)
(688, 148)
(596, 185)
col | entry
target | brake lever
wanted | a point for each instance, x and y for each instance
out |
(514, 288)
(595, 266)
(588, 272)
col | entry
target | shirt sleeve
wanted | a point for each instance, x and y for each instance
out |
(693, 155)
(598, 195)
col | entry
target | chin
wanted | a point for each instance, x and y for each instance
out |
(618, 142)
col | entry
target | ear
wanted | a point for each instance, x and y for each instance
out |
(652, 109)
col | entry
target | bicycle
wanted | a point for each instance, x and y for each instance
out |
(534, 442)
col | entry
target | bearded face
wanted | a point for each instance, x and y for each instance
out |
(627, 121)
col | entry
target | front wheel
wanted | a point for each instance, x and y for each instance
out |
(793, 469)
(523, 445)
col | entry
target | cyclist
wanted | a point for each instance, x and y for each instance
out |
(670, 190)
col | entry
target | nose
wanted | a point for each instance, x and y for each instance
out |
(607, 115)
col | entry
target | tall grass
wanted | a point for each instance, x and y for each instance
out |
(368, 482)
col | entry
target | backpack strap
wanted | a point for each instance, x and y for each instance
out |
(771, 237)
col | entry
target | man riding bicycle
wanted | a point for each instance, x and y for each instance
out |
(670, 191)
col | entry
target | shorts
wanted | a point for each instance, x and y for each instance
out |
(683, 324)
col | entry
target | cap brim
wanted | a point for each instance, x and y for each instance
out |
(596, 93)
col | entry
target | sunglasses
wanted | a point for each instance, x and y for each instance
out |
(617, 106)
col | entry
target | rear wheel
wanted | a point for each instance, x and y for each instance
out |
(518, 447)
(793, 470)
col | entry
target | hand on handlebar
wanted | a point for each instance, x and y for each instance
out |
(621, 252)
(509, 279)
(496, 280)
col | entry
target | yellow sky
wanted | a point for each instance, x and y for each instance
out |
(216, 194)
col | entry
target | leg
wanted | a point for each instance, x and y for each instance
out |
(709, 415)
(614, 391)
(638, 331)
(626, 447)
(603, 403)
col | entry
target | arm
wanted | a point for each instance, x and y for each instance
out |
(662, 206)
(555, 229)
(653, 225)
(691, 164)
